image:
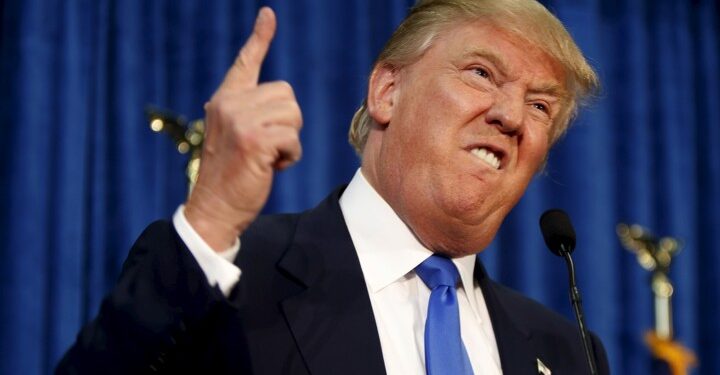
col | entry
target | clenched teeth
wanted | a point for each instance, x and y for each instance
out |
(487, 156)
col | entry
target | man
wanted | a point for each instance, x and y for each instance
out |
(462, 106)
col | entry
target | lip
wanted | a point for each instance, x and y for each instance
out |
(499, 151)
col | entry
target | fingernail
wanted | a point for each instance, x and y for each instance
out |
(261, 14)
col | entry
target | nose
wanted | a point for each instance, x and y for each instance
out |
(506, 113)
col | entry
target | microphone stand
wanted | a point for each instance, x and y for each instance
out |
(576, 301)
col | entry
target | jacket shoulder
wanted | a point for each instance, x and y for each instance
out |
(536, 315)
(267, 238)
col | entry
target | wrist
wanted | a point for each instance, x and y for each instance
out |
(217, 224)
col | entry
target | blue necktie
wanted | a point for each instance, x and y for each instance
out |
(444, 349)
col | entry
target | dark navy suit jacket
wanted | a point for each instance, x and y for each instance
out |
(301, 307)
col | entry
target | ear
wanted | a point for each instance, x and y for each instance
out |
(381, 93)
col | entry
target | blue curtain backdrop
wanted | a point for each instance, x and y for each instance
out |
(82, 174)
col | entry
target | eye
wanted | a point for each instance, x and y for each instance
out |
(541, 107)
(482, 72)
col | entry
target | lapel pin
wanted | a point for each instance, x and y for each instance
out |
(542, 369)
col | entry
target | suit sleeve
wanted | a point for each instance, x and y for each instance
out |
(161, 316)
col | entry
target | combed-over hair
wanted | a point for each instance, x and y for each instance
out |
(527, 19)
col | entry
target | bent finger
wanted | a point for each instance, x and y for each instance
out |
(287, 144)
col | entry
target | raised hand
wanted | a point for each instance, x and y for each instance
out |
(252, 130)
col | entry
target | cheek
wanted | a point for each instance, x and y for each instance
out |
(446, 101)
(462, 102)
(534, 146)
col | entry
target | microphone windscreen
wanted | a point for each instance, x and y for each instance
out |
(558, 232)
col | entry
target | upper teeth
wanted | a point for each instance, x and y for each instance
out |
(487, 156)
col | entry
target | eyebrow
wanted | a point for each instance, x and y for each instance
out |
(490, 56)
(548, 88)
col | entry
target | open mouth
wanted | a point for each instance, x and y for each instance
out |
(490, 157)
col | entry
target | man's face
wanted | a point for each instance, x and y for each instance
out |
(465, 128)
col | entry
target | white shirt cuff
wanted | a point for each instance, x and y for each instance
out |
(217, 266)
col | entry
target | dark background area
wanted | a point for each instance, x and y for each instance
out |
(81, 174)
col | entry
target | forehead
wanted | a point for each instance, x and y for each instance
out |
(506, 51)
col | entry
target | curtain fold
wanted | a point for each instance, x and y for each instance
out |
(82, 174)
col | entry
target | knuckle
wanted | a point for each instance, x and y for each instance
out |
(298, 120)
(219, 105)
(295, 107)
(248, 138)
(284, 88)
(295, 136)
(298, 111)
(286, 85)
(292, 113)
(241, 61)
(211, 106)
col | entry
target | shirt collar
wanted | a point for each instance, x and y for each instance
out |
(386, 247)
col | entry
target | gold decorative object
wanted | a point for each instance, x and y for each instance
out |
(188, 137)
(655, 255)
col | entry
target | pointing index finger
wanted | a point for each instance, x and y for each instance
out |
(245, 71)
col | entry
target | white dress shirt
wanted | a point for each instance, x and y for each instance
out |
(217, 266)
(388, 253)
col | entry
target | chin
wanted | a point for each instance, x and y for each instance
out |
(459, 245)
(456, 252)
(455, 227)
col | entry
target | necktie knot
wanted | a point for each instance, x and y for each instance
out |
(438, 270)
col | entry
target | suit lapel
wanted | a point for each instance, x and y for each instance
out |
(331, 320)
(517, 357)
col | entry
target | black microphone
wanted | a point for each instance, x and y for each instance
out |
(559, 235)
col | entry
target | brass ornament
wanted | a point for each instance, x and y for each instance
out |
(655, 255)
(187, 136)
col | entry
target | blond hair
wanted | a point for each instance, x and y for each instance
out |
(527, 19)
